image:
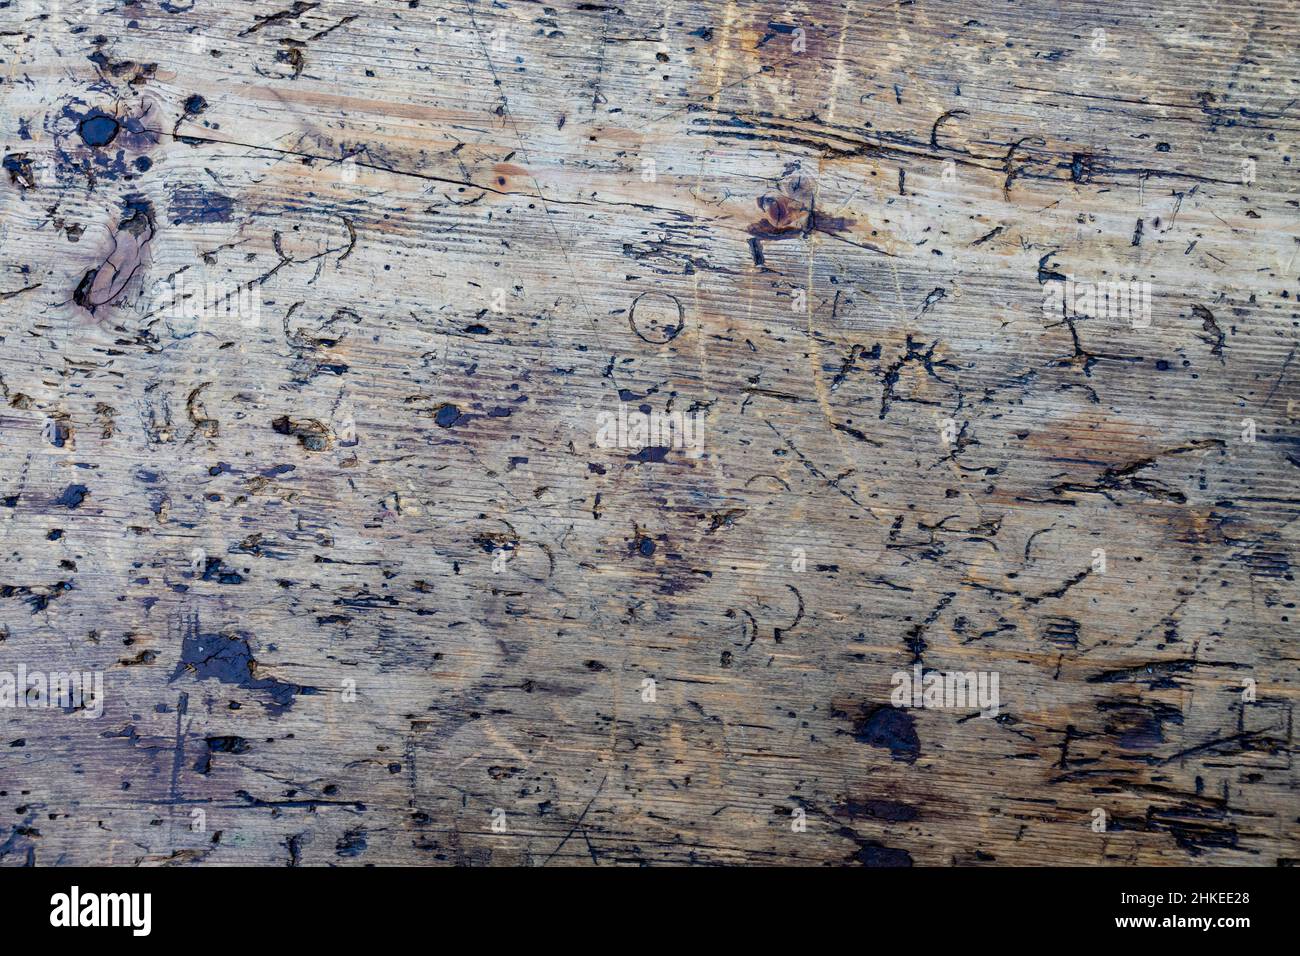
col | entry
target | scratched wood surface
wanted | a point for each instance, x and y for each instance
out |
(380, 472)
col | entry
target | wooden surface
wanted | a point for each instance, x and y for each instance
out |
(272, 509)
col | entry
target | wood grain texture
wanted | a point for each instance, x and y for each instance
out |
(380, 468)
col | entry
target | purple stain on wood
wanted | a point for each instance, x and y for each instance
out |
(196, 204)
(97, 128)
(72, 496)
(890, 728)
(227, 658)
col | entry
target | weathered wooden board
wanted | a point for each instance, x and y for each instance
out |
(356, 564)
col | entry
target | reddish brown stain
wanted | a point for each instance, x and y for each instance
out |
(502, 173)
